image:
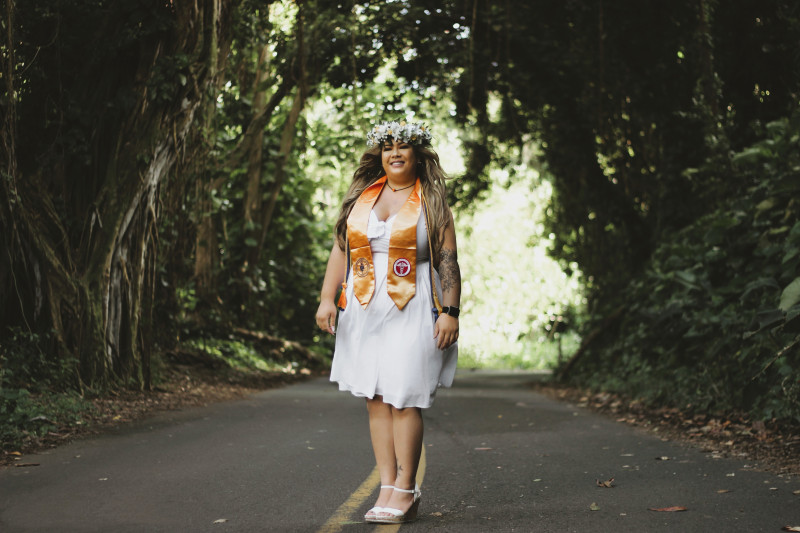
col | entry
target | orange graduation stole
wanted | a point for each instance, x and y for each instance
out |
(402, 271)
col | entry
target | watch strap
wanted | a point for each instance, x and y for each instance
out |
(451, 310)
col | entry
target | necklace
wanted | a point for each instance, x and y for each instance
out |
(401, 188)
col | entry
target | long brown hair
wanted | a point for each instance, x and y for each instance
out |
(432, 178)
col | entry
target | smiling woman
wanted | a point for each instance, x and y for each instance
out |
(396, 344)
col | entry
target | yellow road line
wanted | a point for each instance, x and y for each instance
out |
(344, 514)
(393, 528)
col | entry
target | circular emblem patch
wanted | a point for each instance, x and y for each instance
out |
(361, 268)
(402, 267)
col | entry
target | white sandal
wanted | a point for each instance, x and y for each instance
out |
(388, 515)
(372, 514)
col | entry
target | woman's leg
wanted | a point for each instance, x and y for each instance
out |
(382, 435)
(407, 431)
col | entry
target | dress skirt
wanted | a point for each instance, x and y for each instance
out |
(384, 351)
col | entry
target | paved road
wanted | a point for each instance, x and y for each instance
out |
(498, 457)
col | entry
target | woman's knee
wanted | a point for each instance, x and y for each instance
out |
(406, 412)
(376, 405)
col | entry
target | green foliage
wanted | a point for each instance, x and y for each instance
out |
(25, 417)
(237, 354)
(519, 309)
(294, 255)
(167, 78)
(31, 404)
(25, 364)
(712, 323)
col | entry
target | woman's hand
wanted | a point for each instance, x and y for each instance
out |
(326, 313)
(445, 331)
(326, 316)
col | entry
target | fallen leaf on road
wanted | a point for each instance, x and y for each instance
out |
(662, 458)
(797, 492)
(723, 491)
(220, 520)
(15, 453)
(437, 513)
(790, 528)
(672, 509)
(594, 507)
(21, 465)
(482, 449)
(609, 484)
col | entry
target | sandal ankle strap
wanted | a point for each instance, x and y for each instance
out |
(387, 486)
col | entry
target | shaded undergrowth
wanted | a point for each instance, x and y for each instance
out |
(713, 323)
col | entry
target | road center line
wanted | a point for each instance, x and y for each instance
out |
(344, 514)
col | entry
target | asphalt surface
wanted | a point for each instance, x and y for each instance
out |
(498, 457)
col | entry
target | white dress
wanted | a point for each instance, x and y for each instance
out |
(382, 350)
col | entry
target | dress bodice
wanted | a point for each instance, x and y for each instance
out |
(379, 233)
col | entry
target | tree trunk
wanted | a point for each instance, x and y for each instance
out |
(252, 200)
(206, 253)
(707, 74)
(289, 131)
(9, 233)
(96, 284)
(287, 138)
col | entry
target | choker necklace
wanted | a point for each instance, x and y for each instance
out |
(401, 188)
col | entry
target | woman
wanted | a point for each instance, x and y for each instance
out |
(396, 343)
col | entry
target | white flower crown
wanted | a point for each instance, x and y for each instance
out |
(411, 133)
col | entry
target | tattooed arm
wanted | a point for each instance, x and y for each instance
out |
(446, 329)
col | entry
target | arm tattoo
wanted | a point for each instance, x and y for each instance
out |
(449, 273)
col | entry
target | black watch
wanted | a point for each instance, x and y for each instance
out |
(451, 310)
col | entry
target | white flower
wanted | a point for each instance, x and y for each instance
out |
(411, 133)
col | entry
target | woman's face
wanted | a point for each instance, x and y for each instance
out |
(399, 161)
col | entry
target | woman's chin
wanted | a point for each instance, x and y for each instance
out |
(399, 174)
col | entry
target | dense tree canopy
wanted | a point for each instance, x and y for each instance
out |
(168, 170)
